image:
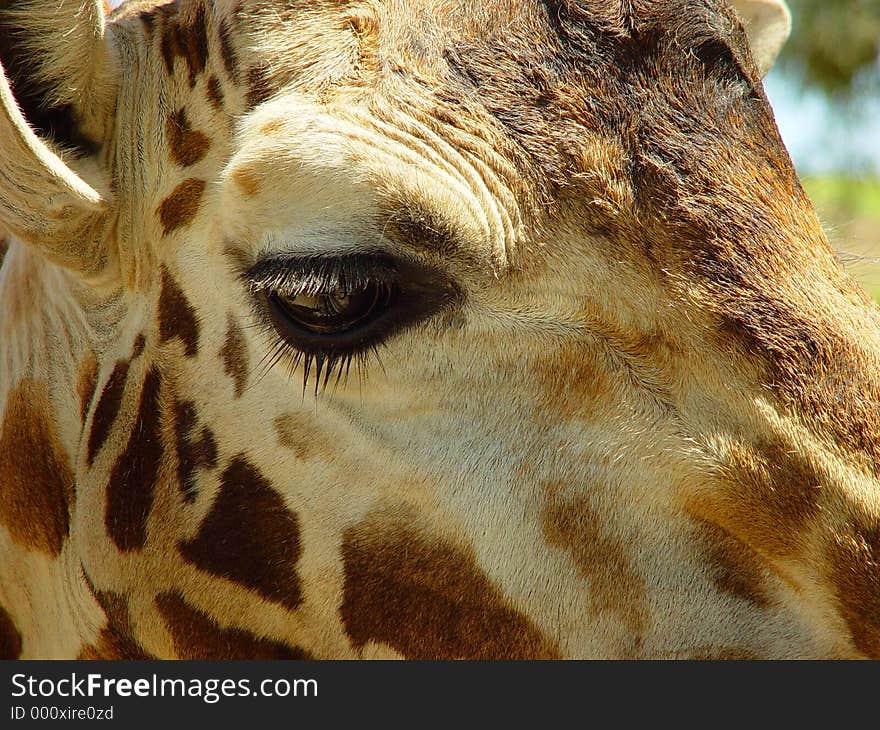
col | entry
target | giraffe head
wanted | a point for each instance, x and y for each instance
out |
(421, 328)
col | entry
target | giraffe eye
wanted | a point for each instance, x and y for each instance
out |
(334, 312)
(327, 310)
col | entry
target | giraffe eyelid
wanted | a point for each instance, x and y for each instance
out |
(416, 292)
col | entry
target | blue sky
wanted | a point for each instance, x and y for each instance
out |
(820, 137)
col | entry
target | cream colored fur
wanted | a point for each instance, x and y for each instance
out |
(536, 398)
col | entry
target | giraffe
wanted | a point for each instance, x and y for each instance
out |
(423, 329)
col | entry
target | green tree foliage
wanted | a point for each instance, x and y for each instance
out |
(835, 43)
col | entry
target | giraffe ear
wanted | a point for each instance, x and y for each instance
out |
(768, 25)
(55, 76)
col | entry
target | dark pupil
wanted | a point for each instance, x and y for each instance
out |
(335, 311)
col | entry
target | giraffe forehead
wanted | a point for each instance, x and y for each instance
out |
(436, 102)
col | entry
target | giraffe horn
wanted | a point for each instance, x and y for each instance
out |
(55, 56)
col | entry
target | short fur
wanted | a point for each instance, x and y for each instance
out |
(634, 409)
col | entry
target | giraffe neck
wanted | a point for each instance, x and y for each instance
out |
(48, 370)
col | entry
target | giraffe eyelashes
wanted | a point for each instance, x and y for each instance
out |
(327, 310)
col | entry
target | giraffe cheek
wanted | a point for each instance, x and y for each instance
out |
(428, 599)
(250, 537)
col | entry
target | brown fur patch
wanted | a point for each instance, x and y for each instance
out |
(177, 318)
(234, 355)
(571, 524)
(214, 92)
(185, 145)
(193, 453)
(238, 258)
(301, 433)
(185, 38)
(735, 568)
(148, 22)
(258, 87)
(36, 481)
(107, 409)
(197, 636)
(10, 637)
(227, 51)
(86, 382)
(427, 598)
(133, 479)
(246, 181)
(816, 363)
(423, 230)
(250, 537)
(272, 127)
(722, 653)
(182, 205)
(137, 349)
(572, 382)
(116, 640)
(169, 45)
(770, 495)
(854, 565)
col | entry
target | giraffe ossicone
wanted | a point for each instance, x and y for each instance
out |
(408, 328)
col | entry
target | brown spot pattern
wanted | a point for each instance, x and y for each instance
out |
(574, 526)
(227, 51)
(246, 181)
(148, 22)
(234, 355)
(193, 453)
(239, 259)
(769, 495)
(116, 640)
(137, 349)
(36, 481)
(177, 318)
(854, 563)
(182, 205)
(186, 39)
(185, 145)
(428, 599)
(272, 127)
(107, 409)
(250, 537)
(572, 382)
(301, 433)
(86, 382)
(214, 91)
(197, 636)
(258, 87)
(10, 637)
(735, 568)
(133, 479)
